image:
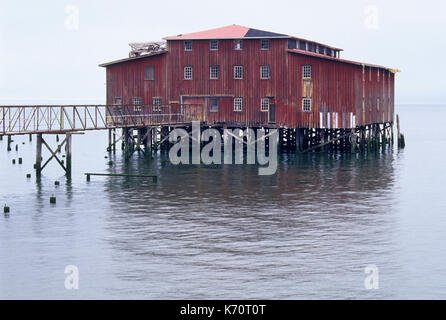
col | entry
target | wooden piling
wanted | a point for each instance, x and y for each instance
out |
(9, 143)
(38, 154)
(114, 140)
(69, 150)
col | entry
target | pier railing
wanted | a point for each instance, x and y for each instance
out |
(72, 118)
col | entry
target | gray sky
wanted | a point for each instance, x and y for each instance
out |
(46, 56)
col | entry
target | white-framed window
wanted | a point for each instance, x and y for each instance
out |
(213, 45)
(306, 71)
(264, 44)
(117, 101)
(238, 72)
(306, 104)
(264, 72)
(137, 102)
(148, 73)
(264, 104)
(188, 73)
(188, 45)
(238, 104)
(213, 72)
(156, 104)
(238, 44)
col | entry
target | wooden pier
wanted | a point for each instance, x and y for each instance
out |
(148, 129)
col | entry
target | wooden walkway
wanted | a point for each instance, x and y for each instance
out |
(54, 119)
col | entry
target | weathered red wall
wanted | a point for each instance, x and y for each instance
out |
(336, 88)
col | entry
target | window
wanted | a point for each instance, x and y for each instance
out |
(306, 104)
(117, 101)
(292, 44)
(302, 45)
(213, 45)
(238, 104)
(264, 44)
(137, 102)
(148, 73)
(264, 104)
(306, 71)
(321, 49)
(238, 72)
(213, 72)
(213, 105)
(156, 104)
(264, 72)
(238, 44)
(188, 73)
(328, 52)
(311, 47)
(188, 45)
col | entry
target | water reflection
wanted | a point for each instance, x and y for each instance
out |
(306, 231)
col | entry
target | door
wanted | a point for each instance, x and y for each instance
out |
(272, 110)
(193, 109)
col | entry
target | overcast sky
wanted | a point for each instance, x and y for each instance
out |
(46, 56)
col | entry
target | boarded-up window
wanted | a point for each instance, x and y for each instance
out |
(148, 73)
(213, 104)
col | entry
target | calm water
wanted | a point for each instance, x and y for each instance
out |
(223, 231)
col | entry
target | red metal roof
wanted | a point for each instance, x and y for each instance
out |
(238, 32)
(229, 32)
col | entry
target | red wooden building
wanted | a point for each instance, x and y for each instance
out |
(248, 77)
